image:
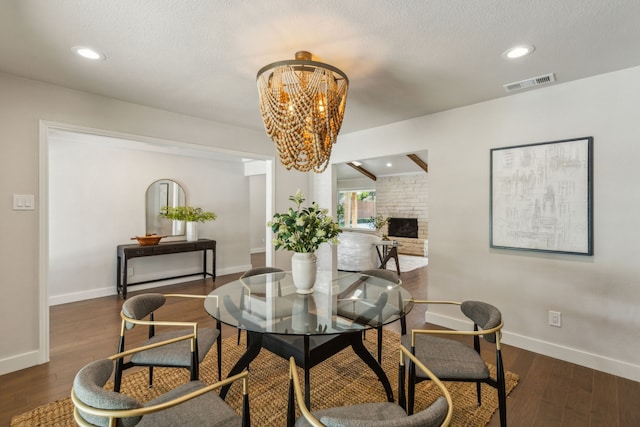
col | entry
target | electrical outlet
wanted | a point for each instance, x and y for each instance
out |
(130, 271)
(555, 319)
(23, 202)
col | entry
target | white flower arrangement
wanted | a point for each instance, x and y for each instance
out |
(303, 229)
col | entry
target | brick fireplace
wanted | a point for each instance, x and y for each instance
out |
(405, 197)
(403, 227)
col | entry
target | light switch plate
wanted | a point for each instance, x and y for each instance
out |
(24, 202)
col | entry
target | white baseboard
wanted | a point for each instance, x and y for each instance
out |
(20, 361)
(579, 357)
(111, 290)
(81, 296)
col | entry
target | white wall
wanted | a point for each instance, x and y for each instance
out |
(287, 183)
(257, 203)
(599, 296)
(356, 184)
(23, 104)
(323, 191)
(97, 189)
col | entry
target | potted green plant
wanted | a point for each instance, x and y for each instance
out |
(378, 222)
(302, 230)
(191, 215)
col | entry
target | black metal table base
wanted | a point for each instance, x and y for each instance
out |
(308, 352)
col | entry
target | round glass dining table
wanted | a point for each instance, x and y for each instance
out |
(310, 327)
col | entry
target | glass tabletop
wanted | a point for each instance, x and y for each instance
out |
(340, 302)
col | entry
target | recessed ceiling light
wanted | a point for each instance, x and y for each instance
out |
(518, 51)
(389, 165)
(89, 53)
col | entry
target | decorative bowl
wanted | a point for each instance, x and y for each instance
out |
(148, 240)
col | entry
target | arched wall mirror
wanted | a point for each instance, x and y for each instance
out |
(164, 192)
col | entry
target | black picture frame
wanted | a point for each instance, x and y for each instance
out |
(542, 197)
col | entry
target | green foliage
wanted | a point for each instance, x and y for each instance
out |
(340, 213)
(303, 229)
(378, 221)
(187, 213)
(366, 195)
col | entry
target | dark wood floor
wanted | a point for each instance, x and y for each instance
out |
(550, 392)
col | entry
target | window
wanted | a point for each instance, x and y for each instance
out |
(355, 208)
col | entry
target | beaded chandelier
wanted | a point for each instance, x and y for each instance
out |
(302, 104)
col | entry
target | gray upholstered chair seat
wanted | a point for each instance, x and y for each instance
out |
(206, 410)
(385, 414)
(141, 310)
(455, 355)
(447, 358)
(179, 353)
(379, 414)
(365, 413)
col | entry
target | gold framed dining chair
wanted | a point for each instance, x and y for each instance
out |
(375, 414)
(141, 310)
(452, 358)
(393, 278)
(193, 404)
(254, 272)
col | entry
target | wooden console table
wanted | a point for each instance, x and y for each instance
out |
(126, 252)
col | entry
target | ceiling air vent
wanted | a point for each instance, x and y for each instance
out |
(525, 84)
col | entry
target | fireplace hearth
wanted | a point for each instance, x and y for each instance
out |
(403, 227)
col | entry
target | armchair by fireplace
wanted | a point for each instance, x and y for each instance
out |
(356, 251)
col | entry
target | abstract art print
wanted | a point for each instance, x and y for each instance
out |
(541, 197)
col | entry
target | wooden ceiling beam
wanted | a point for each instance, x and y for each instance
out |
(418, 161)
(363, 171)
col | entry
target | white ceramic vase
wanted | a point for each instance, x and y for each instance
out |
(303, 269)
(192, 231)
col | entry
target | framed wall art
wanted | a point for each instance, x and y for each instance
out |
(542, 197)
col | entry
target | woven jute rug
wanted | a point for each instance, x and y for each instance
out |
(340, 380)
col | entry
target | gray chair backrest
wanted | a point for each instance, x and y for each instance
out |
(432, 416)
(370, 314)
(236, 312)
(88, 388)
(383, 274)
(139, 306)
(261, 270)
(484, 315)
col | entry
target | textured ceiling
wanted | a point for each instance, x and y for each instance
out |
(404, 58)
